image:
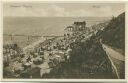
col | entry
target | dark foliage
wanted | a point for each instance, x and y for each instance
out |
(114, 33)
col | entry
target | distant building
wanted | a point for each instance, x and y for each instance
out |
(79, 26)
(76, 27)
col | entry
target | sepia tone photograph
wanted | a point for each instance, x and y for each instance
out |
(63, 40)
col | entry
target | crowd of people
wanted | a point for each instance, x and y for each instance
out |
(19, 63)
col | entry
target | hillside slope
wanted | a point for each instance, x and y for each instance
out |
(114, 33)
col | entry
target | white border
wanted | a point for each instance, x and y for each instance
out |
(126, 41)
(67, 80)
(1, 38)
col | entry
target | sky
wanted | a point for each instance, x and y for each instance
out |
(31, 9)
